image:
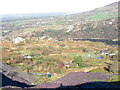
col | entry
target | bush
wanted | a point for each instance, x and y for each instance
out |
(78, 60)
(85, 50)
(46, 52)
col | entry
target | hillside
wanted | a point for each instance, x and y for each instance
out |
(98, 23)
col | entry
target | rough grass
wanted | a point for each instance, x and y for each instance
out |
(103, 15)
(57, 23)
(99, 70)
(21, 22)
(59, 54)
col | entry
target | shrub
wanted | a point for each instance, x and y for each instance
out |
(62, 45)
(85, 50)
(20, 44)
(78, 60)
(46, 52)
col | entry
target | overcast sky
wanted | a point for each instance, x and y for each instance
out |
(42, 6)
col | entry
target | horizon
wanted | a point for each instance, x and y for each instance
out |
(39, 6)
(41, 13)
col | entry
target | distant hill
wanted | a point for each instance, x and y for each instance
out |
(99, 23)
(106, 12)
(15, 17)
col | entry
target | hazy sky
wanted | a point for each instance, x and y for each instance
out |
(41, 6)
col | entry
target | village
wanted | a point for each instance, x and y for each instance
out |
(63, 51)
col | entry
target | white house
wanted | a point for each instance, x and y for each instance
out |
(28, 57)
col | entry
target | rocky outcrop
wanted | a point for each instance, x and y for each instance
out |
(80, 80)
(14, 75)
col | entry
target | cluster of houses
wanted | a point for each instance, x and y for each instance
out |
(101, 52)
(96, 56)
(93, 55)
(106, 52)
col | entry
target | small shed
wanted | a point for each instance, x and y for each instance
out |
(28, 57)
(112, 53)
(105, 52)
(67, 65)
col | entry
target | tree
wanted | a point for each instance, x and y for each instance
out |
(78, 60)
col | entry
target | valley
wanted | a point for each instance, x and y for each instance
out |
(45, 49)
